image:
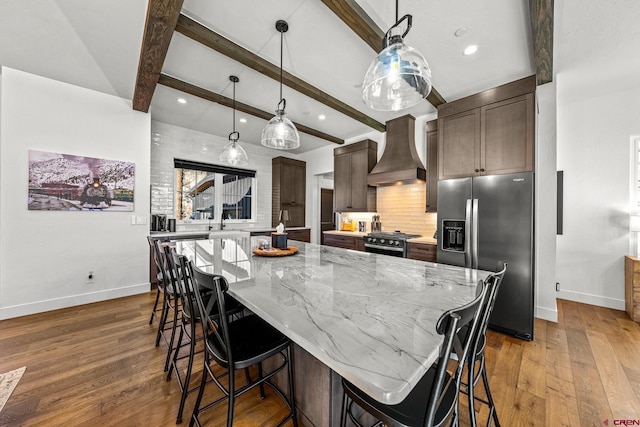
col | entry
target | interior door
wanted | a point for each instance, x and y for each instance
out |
(327, 218)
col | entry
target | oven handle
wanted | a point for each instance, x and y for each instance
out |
(386, 248)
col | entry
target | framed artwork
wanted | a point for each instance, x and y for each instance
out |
(67, 182)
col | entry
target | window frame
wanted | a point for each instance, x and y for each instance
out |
(219, 171)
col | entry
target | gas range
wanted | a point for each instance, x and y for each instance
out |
(388, 243)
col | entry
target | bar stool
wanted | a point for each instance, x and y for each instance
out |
(235, 345)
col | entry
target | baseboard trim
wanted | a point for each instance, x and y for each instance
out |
(599, 300)
(547, 314)
(71, 301)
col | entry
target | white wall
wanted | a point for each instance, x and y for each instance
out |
(45, 256)
(594, 132)
(545, 203)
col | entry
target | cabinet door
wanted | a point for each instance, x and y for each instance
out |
(359, 171)
(459, 144)
(432, 171)
(342, 181)
(507, 140)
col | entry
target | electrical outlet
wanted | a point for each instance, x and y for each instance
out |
(141, 220)
(90, 277)
(557, 286)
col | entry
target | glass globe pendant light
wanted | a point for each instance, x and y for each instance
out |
(232, 153)
(399, 77)
(280, 133)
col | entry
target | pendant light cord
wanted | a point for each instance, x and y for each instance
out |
(234, 107)
(397, 10)
(281, 44)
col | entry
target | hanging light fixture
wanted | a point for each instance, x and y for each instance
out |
(232, 153)
(280, 132)
(399, 77)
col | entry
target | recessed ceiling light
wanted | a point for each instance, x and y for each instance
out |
(322, 117)
(181, 100)
(461, 32)
(470, 50)
(243, 120)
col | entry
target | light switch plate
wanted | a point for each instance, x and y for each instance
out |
(141, 220)
(133, 220)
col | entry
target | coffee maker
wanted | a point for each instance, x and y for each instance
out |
(158, 222)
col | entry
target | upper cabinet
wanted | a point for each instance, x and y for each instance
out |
(289, 177)
(351, 165)
(432, 166)
(488, 133)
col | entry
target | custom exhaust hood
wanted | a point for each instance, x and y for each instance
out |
(399, 162)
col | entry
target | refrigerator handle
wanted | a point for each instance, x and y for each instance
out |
(474, 237)
(467, 235)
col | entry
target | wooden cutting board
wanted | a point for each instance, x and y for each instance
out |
(291, 250)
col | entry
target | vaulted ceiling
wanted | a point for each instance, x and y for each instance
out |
(189, 49)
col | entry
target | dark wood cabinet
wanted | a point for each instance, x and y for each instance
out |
(432, 166)
(507, 135)
(288, 191)
(355, 243)
(351, 166)
(301, 234)
(488, 133)
(422, 251)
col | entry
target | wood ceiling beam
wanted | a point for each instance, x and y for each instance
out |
(541, 13)
(215, 41)
(162, 16)
(360, 23)
(194, 90)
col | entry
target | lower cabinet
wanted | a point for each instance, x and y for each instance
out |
(355, 243)
(301, 235)
(422, 251)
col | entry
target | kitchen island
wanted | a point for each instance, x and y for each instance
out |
(368, 318)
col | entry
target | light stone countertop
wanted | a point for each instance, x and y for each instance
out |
(370, 318)
(346, 233)
(423, 239)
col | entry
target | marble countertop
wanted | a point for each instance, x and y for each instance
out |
(370, 318)
(423, 239)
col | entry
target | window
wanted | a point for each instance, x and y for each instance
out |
(205, 191)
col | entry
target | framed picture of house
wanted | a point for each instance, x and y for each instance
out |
(69, 182)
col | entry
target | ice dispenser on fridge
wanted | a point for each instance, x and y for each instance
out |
(453, 235)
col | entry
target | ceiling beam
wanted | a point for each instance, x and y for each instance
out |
(360, 23)
(541, 13)
(162, 16)
(194, 90)
(215, 41)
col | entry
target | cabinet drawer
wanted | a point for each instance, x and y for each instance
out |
(422, 251)
(299, 235)
(339, 241)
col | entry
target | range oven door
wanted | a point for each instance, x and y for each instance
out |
(384, 250)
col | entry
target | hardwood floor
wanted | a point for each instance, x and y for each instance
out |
(97, 365)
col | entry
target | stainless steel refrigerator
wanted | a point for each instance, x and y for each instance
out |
(485, 219)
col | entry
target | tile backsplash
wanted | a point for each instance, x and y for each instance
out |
(402, 207)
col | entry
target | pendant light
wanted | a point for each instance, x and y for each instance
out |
(232, 153)
(399, 77)
(280, 132)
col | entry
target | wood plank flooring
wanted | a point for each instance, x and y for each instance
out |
(97, 364)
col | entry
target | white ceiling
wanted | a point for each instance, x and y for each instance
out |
(96, 44)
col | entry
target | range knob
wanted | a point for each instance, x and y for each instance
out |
(373, 240)
(381, 240)
(397, 243)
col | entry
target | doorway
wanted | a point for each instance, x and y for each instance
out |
(327, 218)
